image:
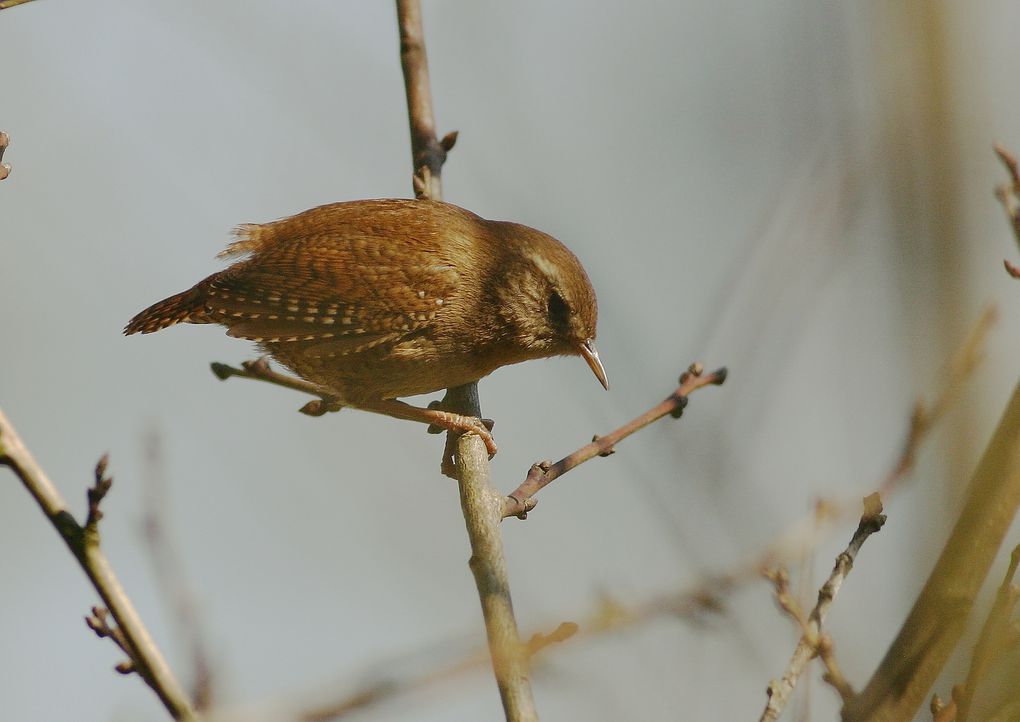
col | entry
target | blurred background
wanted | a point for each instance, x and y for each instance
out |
(798, 190)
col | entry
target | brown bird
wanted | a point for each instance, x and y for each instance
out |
(377, 299)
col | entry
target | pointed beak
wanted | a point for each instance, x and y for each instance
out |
(587, 349)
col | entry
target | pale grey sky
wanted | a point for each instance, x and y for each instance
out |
(723, 170)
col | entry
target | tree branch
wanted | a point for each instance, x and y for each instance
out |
(812, 643)
(482, 505)
(130, 633)
(519, 502)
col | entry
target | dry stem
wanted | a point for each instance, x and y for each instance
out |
(83, 541)
(812, 643)
(519, 502)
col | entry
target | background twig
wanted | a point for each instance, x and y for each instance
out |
(811, 642)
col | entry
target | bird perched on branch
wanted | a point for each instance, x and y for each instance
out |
(374, 300)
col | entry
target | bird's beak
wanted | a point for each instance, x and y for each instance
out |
(587, 349)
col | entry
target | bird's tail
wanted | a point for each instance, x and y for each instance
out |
(186, 306)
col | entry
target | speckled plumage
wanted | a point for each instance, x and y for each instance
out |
(379, 299)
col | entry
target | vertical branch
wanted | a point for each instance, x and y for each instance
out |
(83, 541)
(481, 503)
(427, 151)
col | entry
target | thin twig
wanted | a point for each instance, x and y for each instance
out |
(481, 504)
(968, 356)
(98, 622)
(997, 636)
(83, 541)
(519, 502)
(812, 643)
(395, 684)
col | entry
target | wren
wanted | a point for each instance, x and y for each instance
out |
(374, 300)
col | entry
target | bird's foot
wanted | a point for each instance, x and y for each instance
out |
(482, 428)
(438, 418)
(441, 420)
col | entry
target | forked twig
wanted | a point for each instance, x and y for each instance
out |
(129, 633)
(519, 502)
(812, 642)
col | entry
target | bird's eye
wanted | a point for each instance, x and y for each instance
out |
(559, 312)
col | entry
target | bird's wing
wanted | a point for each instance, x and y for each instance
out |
(348, 293)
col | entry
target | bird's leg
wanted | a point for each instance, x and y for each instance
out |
(438, 417)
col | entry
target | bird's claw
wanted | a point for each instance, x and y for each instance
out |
(482, 429)
(470, 425)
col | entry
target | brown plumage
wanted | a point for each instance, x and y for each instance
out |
(373, 300)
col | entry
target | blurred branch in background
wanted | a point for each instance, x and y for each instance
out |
(174, 588)
(129, 633)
